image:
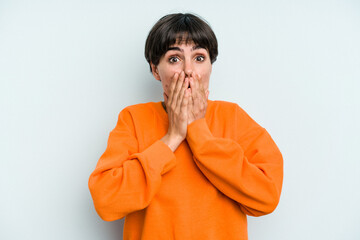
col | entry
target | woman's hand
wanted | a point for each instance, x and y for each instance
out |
(176, 103)
(198, 100)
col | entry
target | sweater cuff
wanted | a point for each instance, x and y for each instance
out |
(198, 132)
(164, 158)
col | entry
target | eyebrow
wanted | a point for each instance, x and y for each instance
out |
(182, 50)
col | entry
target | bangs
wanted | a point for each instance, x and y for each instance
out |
(179, 28)
(186, 32)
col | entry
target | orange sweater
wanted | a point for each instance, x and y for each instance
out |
(228, 167)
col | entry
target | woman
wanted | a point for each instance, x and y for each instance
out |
(188, 167)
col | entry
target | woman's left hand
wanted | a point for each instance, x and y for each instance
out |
(198, 100)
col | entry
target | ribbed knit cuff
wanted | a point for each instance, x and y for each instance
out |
(198, 132)
(161, 157)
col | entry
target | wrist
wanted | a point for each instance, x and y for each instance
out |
(172, 141)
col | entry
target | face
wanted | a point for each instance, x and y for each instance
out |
(189, 58)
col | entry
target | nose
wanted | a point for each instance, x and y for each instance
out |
(188, 68)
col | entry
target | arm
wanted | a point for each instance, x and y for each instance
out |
(124, 179)
(245, 164)
(249, 170)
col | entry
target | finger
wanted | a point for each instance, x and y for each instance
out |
(190, 105)
(193, 79)
(203, 94)
(201, 97)
(178, 86)
(197, 81)
(172, 86)
(194, 92)
(198, 84)
(192, 84)
(165, 98)
(185, 102)
(183, 91)
(191, 99)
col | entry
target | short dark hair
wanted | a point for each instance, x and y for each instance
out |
(179, 27)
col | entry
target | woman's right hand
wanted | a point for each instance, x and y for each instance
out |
(176, 103)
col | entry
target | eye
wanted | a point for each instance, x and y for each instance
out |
(173, 59)
(200, 58)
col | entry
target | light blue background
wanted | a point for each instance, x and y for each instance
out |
(67, 68)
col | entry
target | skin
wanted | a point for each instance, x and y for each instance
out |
(184, 71)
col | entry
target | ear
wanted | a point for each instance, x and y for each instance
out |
(155, 71)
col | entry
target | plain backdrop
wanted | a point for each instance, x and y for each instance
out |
(67, 68)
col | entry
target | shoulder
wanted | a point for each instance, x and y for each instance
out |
(137, 112)
(224, 106)
(142, 114)
(232, 114)
(140, 108)
(229, 109)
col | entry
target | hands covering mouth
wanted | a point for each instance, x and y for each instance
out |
(185, 103)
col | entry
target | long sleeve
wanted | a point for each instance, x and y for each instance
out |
(247, 169)
(125, 180)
